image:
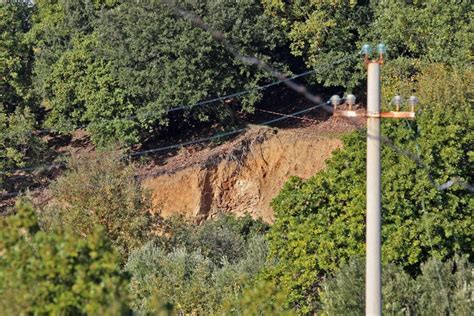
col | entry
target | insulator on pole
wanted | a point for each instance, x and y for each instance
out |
(397, 101)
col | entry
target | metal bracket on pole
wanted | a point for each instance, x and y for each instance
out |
(362, 113)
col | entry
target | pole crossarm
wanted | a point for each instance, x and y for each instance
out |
(363, 113)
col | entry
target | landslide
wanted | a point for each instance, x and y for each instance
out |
(241, 176)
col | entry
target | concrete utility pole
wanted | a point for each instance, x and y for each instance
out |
(373, 288)
(373, 268)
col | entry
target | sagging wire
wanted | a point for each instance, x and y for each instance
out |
(180, 145)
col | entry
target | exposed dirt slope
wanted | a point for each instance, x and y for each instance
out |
(242, 176)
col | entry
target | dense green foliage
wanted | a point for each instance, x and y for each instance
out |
(435, 30)
(442, 288)
(120, 77)
(322, 31)
(118, 67)
(320, 223)
(101, 190)
(196, 268)
(16, 55)
(56, 273)
(18, 145)
(225, 236)
(260, 298)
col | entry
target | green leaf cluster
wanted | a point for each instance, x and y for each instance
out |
(224, 236)
(16, 55)
(194, 269)
(19, 147)
(51, 273)
(263, 297)
(321, 31)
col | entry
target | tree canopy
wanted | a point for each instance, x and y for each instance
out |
(322, 31)
(99, 67)
(120, 68)
(19, 146)
(16, 55)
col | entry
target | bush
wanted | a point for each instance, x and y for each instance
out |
(19, 147)
(259, 298)
(101, 189)
(49, 273)
(442, 288)
(179, 278)
(177, 274)
(223, 237)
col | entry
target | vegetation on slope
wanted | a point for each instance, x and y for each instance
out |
(117, 67)
(56, 272)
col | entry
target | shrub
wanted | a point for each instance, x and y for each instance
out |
(101, 189)
(179, 277)
(223, 237)
(19, 147)
(442, 288)
(49, 273)
(177, 273)
(259, 298)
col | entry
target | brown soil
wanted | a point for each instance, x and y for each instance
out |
(241, 176)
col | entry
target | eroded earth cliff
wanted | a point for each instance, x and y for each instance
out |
(241, 176)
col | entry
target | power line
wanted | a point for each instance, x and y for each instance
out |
(200, 104)
(282, 117)
(241, 93)
(174, 146)
(414, 157)
(292, 115)
(222, 98)
(253, 60)
(288, 115)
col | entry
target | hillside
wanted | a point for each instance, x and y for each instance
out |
(178, 157)
(239, 176)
